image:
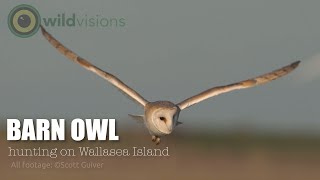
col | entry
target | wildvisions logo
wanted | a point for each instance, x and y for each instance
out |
(62, 20)
(24, 21)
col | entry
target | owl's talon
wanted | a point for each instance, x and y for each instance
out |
(154, 138)
(158, 140)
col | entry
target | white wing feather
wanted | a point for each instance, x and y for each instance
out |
(239, 85)
(87, 65)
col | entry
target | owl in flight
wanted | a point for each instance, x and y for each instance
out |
(161, 117)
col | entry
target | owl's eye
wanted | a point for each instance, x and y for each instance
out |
(162, 118)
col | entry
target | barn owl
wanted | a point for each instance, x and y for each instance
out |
(161, 117)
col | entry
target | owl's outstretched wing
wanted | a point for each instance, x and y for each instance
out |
(239, 85)
(87, 65)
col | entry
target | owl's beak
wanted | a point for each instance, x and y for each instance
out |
(170, 127)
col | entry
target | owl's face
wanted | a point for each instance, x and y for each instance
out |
(164, 116)
(165, 119)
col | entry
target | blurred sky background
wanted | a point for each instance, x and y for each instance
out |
(170, 50)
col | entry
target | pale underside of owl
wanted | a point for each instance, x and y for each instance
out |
(161, 117)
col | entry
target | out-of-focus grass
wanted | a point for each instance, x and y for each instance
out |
(247, 140)
(193, 155)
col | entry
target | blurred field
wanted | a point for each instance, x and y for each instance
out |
(192, 155)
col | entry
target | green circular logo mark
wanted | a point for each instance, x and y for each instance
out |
(24, 21)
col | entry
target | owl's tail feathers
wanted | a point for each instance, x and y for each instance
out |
(138, 118)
